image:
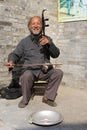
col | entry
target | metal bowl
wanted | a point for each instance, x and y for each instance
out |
(45, 117)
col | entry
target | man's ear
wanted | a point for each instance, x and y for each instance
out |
(28, 25)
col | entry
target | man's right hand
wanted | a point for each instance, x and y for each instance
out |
(10, 64)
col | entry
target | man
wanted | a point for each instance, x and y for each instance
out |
(36, 49)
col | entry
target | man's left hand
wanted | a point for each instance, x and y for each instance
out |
(44, 40)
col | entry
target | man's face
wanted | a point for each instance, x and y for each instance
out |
(35, 25)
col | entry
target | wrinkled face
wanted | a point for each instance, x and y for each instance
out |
(35, 25)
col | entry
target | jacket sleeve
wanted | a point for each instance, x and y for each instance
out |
(53, 50)
(17, 53)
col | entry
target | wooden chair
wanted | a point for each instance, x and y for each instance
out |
(39, 88)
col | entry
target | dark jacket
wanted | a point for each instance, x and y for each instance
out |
(33, 52)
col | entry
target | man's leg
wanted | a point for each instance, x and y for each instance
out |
(26, 82)
(54, 78)
(53, 83)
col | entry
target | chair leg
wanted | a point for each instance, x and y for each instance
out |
(38, 89)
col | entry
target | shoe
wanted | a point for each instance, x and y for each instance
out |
(22, 104)
(49, 102)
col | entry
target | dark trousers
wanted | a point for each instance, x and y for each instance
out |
(53, 77)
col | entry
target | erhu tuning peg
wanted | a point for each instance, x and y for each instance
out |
(47, 25)
(46, 19)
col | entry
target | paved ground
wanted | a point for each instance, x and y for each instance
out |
(72, 104)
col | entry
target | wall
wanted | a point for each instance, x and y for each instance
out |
(70, 37)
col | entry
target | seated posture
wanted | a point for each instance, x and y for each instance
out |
(36, 50)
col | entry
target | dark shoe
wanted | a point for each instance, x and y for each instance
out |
(49, 102)
(22, 104)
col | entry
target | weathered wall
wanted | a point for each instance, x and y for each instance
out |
(70, 37)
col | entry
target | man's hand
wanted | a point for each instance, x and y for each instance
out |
(10, 64)
(44, 40)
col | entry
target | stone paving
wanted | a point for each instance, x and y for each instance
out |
(72, 104)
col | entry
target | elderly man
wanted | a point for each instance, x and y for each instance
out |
(36, 49)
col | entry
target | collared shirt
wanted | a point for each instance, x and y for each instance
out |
(33, 53)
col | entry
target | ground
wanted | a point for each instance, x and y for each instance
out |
(71, 103)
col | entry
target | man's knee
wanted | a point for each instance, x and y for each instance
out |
(59, 73)
(27, 75)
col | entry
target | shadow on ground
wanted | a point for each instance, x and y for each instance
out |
(82, 126)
